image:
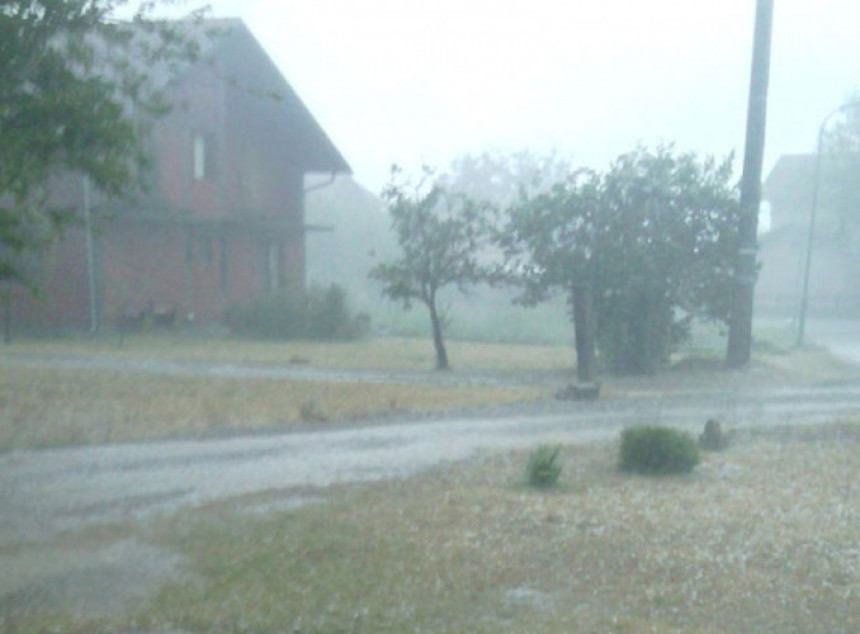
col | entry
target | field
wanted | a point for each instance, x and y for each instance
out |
(42, 405)
(81, 392)
(395, 354)
(762, 537)
(50, 408)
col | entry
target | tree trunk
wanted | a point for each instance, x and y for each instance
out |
(583, 326)
(644, 349)
(438, 342)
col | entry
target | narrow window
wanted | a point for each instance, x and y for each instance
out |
(765, 217)
(222, 251)
(199, 157)
(204, 250)
(189, 249)
(274, 266)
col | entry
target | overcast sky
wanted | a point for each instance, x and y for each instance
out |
(413, 81)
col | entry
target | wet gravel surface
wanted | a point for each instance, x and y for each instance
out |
(47, 494)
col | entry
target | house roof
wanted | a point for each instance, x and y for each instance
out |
(790, 184)
(789, 189)
(235, 55)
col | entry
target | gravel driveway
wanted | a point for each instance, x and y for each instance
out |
(45, 494)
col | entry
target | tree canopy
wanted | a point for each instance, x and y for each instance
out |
(75, 95)
(840, 187)
(652, 241)
(440, 233)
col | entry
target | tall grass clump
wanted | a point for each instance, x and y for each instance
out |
(655, 450)
(543, 469)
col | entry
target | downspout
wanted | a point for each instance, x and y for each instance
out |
(322, 185)
(91, 259)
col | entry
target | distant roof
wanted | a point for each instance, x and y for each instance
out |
(240, 60)
(789, 186)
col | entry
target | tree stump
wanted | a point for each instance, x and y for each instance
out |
(713, 438)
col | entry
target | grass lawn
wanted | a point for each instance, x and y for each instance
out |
(48, 408)
(41, 406)
(384, 353)
(760, 538)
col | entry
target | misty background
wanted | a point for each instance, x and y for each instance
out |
(414, 82)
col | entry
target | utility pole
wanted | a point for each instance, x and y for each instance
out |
(740, 324)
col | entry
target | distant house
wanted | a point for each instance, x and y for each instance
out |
(833, 290)
(224, 222)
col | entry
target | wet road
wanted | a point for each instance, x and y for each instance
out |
(840, 336)
(44, 492)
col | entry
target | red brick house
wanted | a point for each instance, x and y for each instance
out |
(224, 222)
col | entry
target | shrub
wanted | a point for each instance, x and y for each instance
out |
(319, 313)
(327, 312)
(543, 468)
(713, 438)
(312, 412)
(275, 316)
(657, 451)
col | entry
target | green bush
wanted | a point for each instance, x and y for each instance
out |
(543, 468)
(312, 412)
(639, 332)
(275, 316)
(329, 317)
(657, 450)
(319, 313)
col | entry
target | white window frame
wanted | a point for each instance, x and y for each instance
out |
(199, 157)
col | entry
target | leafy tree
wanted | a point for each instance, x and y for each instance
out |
(549, 243)
(498, 177)
(440, 233)
(647, 245)
(75, 92)
(839, 186)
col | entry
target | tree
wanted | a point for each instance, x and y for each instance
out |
(75, 95)
(839, 185)
(440, 233)
(498, 177)
(638, 250)
(549, 243)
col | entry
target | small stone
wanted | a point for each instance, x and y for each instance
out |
(713, 438)
(579, 392)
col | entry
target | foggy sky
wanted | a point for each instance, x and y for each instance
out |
(428, 80)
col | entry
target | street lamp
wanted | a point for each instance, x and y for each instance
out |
(804, 298)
